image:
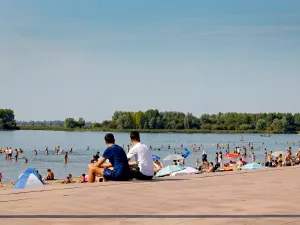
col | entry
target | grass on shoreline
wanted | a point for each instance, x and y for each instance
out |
(185, 131)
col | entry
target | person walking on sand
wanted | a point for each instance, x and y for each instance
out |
(117, 169)
(217, 157)
(143, 169)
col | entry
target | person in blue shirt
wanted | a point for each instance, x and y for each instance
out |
(117, 169)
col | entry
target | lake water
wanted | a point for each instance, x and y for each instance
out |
(81, 157)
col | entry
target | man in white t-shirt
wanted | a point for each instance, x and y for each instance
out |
(143, 158)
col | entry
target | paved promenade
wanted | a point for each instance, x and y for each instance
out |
(269, 196)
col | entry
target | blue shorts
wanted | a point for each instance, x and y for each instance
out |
(115, 175)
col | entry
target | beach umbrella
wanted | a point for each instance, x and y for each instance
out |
(252, 166)
(168, 170)
(173, 157)
(186, 154)
(276, 154)
(155, 157)
(186, 171)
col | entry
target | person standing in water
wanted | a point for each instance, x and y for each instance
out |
(266, 155)
(16, 154)
(66, 157)
(220, 159)
(253, 157)
(10, 153)
(47, 152)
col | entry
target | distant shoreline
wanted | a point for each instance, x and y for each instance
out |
(185, 131)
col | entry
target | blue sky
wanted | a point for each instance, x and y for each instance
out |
(88, 59)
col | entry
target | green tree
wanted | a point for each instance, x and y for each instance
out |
(7, 119)
(70, 123)
(261, 125)
(81, 122)
(297, 121)
(285, 125)
(188, 121)
(277, 125)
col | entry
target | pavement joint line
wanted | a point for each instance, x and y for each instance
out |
(151, 216)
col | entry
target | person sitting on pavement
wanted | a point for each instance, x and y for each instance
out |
(117, 169)
(143, 166)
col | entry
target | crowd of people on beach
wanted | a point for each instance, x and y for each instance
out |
(116, 163)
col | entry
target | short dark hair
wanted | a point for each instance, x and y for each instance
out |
(109, 138)
(135, 136)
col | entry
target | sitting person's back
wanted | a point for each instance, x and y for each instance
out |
(117, 169)
(50, 175)
(117, 157)
(143, 156)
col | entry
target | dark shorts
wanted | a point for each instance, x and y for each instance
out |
(136, 173)
(114, 175)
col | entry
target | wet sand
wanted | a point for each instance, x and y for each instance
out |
(268, 196)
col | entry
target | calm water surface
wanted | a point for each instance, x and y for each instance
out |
(79, 159)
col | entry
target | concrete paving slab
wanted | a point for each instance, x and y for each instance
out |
(267, 196)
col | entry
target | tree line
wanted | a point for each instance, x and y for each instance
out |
(153, 119)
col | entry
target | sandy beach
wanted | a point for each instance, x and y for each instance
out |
(267, 196)
(10, 185)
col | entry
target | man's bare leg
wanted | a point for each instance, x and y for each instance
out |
(93, 171)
